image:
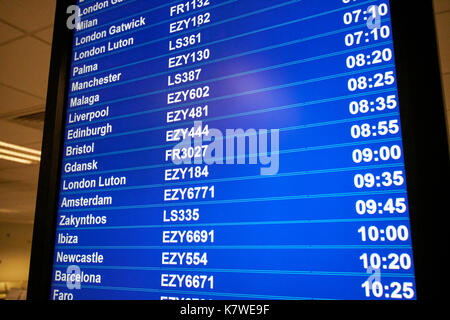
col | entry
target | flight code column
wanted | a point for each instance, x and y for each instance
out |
(382, 120)
(181, 155)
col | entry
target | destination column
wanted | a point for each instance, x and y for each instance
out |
(87, 190)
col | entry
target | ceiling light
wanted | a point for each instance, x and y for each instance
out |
(19, 154)
(20, 148)
(14, 159)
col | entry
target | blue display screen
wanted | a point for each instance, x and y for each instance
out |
(233, 149)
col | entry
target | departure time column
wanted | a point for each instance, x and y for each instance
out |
(390, 228)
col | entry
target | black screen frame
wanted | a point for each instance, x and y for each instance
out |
(44, 232)
(424, 138)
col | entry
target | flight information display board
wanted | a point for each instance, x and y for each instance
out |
(233, 149)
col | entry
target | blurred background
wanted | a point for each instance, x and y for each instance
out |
(26, 28)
